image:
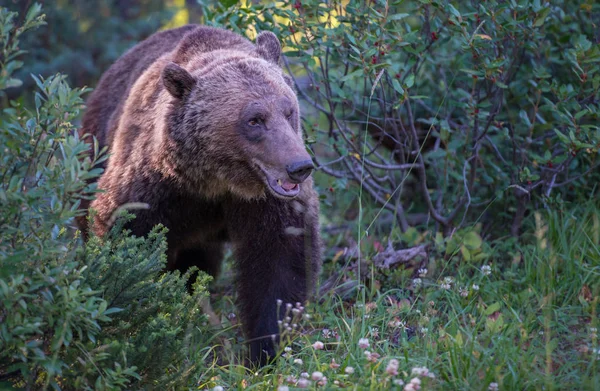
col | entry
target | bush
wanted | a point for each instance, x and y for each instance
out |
(101, 316)
(444, 112)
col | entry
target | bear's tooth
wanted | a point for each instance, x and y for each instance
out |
(279, 182)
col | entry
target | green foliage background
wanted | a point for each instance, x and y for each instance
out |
(444, 113)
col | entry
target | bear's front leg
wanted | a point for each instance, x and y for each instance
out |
(277, 249)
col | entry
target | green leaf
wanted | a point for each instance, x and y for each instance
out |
(465, 253)
(541, 17)
(492, 308)
(12, 83)
(454, 11)
(472, 240)
(112, 310)
(228, 3)
(398, 16)
(352, 75)
(397, 86)
(581, 114)
(523, 115)
(34, 12)
(562, 137)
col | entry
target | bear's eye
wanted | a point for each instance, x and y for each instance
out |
(255, 122)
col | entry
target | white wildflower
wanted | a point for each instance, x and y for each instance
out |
(422, 371)
(392, 367)
(414, 384)
(363, 343)
(447, 283)
(316, 376)
(373, 357)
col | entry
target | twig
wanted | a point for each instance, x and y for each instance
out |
(391, 257)
(127, 206)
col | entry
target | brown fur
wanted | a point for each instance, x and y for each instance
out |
(174, 112)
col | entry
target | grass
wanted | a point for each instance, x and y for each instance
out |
(519, 318)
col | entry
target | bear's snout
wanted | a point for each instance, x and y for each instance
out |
(299, 171)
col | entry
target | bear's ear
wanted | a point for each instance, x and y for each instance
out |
(268, 46)
(177, 80)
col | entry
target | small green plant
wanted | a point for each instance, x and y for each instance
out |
(10, 39)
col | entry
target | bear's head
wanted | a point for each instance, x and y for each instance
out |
(234, 123)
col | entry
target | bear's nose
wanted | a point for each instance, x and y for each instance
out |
(299, 171)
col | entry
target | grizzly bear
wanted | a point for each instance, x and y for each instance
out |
(203, 127)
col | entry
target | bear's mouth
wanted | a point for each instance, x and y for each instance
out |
(284, 187)
(281, 187)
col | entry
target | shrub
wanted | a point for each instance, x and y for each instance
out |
(444, 112)
(100, 316)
